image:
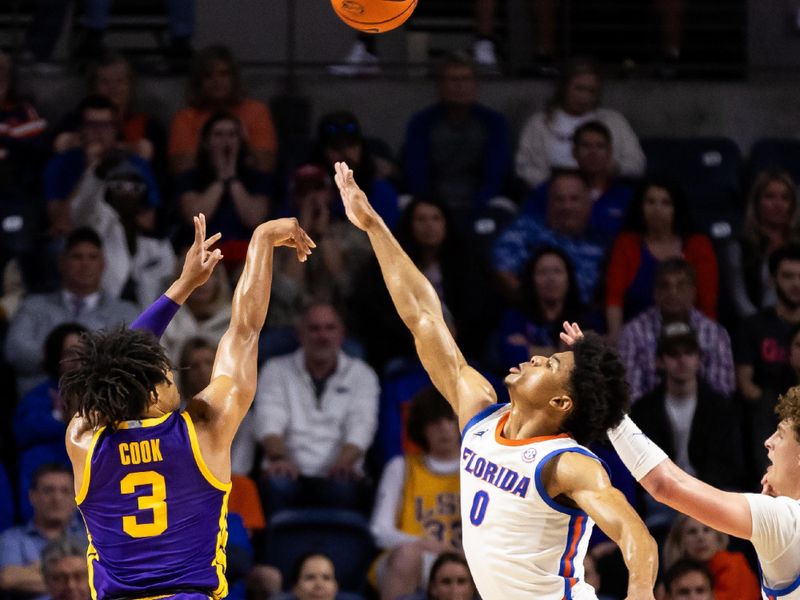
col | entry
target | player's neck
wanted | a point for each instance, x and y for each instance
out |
(523, 425)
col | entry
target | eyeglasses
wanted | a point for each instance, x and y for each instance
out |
(350, 128)
(123, 186)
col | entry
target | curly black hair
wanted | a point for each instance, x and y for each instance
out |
(598, 389)
(427, 406)
(116, 376)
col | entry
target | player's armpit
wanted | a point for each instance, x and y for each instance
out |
(728, 512)
(584, 481)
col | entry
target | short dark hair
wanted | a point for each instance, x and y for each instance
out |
(598, 388)
(116, 376)
(592, 127)
(681, 220)
(81, 235)
(54, 346)
(96, 102)
(560, 172)
(47, 469)
(789, 251)
(455, 59)
(672, 266)
(684, 566)
(427, 406)
(297, 566)
(676, 336)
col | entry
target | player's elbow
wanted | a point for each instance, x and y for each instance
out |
(662, 482)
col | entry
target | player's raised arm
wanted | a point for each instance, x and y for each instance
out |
(223, 404)
(419, 307)
(669, 484)
(198, 265)
(584, 481)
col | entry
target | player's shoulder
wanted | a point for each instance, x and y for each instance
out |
(573, 467)
(489, 411)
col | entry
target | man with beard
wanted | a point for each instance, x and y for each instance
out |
(762, 352)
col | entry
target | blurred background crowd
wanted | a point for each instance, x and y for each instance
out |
(684, 252)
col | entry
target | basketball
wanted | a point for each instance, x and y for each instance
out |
(374, 16)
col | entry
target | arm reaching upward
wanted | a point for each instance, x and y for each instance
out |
(419, 307)
(224, 403)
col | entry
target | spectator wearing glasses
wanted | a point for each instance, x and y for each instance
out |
(64, 568)
(80, 173)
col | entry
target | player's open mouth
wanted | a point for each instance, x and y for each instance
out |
(514, 370)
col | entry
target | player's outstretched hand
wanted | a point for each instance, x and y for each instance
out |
(287, 232)
(200, 259)
(356, 206)
(571, 334)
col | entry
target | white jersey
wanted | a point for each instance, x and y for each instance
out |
(776, 538)
(519, 542)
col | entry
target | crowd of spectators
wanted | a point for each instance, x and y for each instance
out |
(567, 226)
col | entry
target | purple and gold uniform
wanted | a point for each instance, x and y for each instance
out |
(155, 515)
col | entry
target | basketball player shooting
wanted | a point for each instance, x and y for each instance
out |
(530, 490)
(770, 520)
(152, 482)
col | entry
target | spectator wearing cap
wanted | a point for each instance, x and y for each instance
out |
(80, 173)
(674, 295)
(592, 148)
(697, 427)
(457, 150)
(233, 195)
(138, 266)
(80, 299)
(64, 569)
(339, 138)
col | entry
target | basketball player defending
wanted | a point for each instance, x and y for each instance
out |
(530, 493)
(152, 482)
(770, 520)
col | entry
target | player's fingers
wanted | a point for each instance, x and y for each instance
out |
(212, 240)
(198, 237)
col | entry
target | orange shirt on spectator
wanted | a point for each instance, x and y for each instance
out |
(184, 135)
(733, 577)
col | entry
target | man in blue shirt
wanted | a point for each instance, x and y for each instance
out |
(52, 495)
(83, 170)
(593, 151)
(566, 225)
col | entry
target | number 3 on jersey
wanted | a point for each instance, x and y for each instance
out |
(478, 510)
(155, 502)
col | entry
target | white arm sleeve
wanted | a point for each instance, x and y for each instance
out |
(776, 537)
(387, 506)
(635, 449)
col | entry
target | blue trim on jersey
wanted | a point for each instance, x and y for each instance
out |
(773, 592)
(537, 477)
(489, 410)
(565, 562)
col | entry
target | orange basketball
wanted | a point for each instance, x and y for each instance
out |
(374, 16)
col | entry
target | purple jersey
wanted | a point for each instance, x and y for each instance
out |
(155, 515)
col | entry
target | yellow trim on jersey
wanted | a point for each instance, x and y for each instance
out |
(87, 468)
(198, 457)
(220, 561)
(137, 423)
(91, 557)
